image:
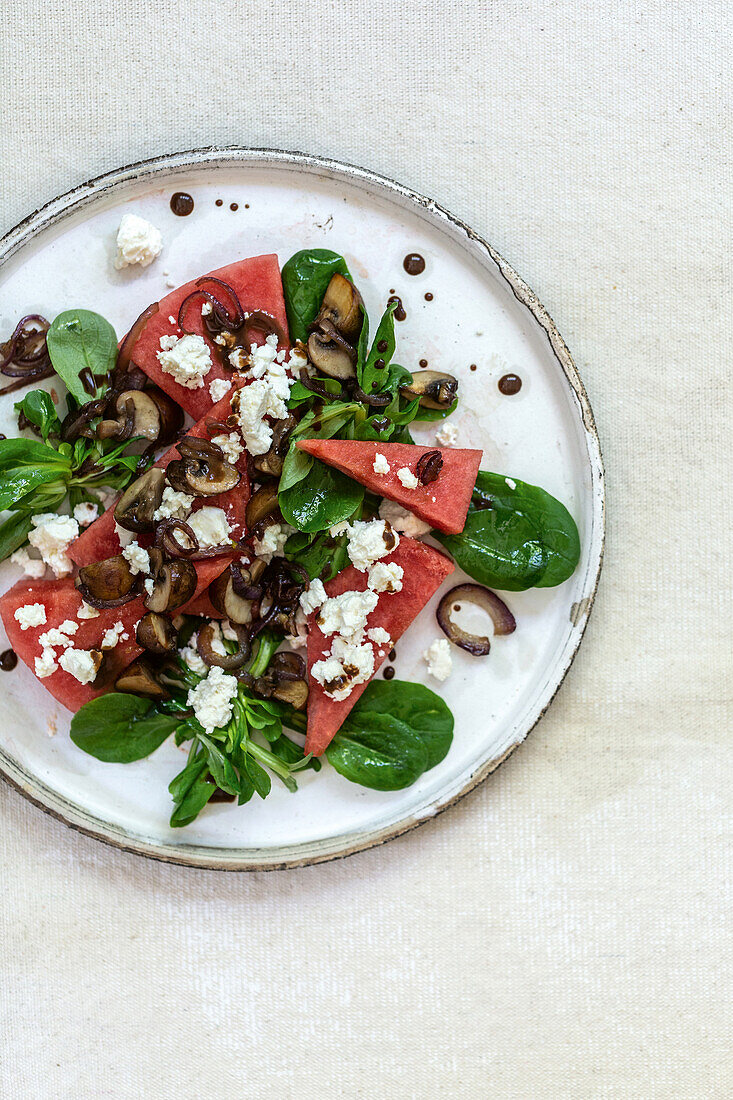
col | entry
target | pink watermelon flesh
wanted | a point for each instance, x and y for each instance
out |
(100, 540)
(62, 601)
(442, 503)
(425, 569)
(257, 284)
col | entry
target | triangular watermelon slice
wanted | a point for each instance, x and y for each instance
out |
(425, 569)
(256, 282)
(442, 503)
(100, 540)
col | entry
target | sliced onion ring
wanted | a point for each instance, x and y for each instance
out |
(477, 644)
(204, 645)
(127, 345)
(167, 538)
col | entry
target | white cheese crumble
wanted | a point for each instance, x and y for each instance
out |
(347, 614)
(386, 577)
(231, 445)
(172, 320)
(273, 541)
(379, 636)
(174, 505)
(149, 586)
(219, 386)
(251, 405)
(402, 520)
(210, 526)
(114, 636)
(212, 699)
(138, 242)
(447, 436)
(51, 536)
(56, 638)
(313, 597)
(347, 665)
(86, 513)
(512, 484)
(380, 464)
(32, 614)
(370, 540)
(82, 664)
(187, 360)
(32, 567)
(195, 662)
(439, 660)
(407, 478)
(86, 611)
(45, 664)
(137, 558)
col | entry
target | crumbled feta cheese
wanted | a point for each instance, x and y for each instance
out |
(510, 483)
(45, 664)
(380, 464)
(149, 585)
(86, 513)
(82, 664)
(31, 614)
(386, 577)
(447, 436)
(171, 319)
(347, 614)
(138, 242)
(210, 526)
(407, 478)
(174, 505)
(193, 659)
(212, 699)
(251, 405)
(402, 520)
(86, 611)
(137, 558)
(56, 638)
(231, 445)
(338, 529)
(347, 665)
(68, 626)
(379, 636)
(217, 641)
(439, 661)
(273, 541)
(32, 567)
(313, 597)
(114, 636)
(369, 541)
(51, 536)
(238, 359)
(187, 360)
(218, 387)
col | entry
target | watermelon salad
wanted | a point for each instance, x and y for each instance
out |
(225, 526)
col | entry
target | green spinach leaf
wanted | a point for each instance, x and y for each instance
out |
(305, 278)
(373, 379)
(80, 339)
(192, 803)
(324, 498)
(516, 536)
(39, 409)
(321, 555)
(119, 728)
(435, 414)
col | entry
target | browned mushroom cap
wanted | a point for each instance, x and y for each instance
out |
(236, 592)
(261, 504)
(331, 353)
(173, 583)
(285, 680)
(202, 470)
(156, 633)
(139, 679)
(140, 501)
(108, 583)
(342, 305)
(435, 389)
(272, 462)
(149, 414)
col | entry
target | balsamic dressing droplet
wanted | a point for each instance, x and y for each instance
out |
(8, 660)
(399, 313)
(181, 204)
(392, 655)
(510, 384)
(423, 363)
(234, 206)
(388, 672)
(473, 367)
(220, 202)
(382, 345)
(413, 263)
(428, 297)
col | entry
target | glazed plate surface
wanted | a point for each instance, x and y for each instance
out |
(481, 313)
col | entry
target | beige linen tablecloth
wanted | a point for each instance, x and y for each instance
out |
(561, 933)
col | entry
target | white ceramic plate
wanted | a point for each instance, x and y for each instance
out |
(481, 313)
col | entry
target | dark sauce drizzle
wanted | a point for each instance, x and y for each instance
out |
(510, 384)
(8, 660)
(181, 203)
(413, 263)
(428, 297)
(399, 313)
(388, 672)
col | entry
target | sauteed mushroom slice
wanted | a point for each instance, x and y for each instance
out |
(149, 414)
(236, 592)
(435, 389)
(261, 504)
(140, 501)
(285, 680)
(271, 463)
(108, 583)
(202, 470)
(331, 353)
(342, 305)
(139, 679)
(172, 583)
(156, 633)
